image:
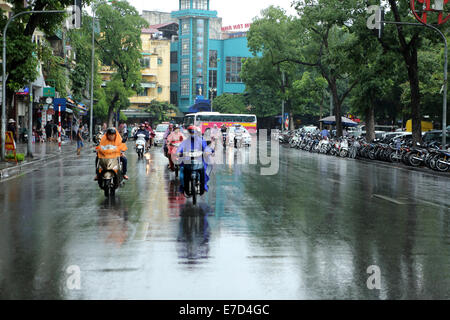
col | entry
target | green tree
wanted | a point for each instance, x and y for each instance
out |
(22, 57)
(161, 111)
(120, 48)
(80, 76)
(231, 103)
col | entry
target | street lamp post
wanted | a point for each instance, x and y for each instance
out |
(3, 133)
(212, 92)
(91, 116)
(30, 123)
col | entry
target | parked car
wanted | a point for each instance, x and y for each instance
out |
(435, 136)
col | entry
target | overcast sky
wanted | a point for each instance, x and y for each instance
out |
(231, 11)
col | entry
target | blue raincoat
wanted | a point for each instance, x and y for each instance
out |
(195, 143)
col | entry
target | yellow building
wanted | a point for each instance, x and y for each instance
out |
(7, 8)
(155, 70)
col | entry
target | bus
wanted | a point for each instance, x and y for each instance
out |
(207, 120)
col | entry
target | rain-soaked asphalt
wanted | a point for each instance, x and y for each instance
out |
(309, 232)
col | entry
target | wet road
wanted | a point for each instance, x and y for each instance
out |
(309, 232)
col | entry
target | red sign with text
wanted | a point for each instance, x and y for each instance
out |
(422, 8)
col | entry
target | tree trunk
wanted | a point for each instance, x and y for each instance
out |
(337, 106)
(111, 112)
(370, 122)
(110, 117)
(321, 114)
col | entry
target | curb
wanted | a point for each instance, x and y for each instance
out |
(406, 168)
(14, 171)
(399, 166)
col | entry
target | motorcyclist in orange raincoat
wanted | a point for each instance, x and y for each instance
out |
(111, 146)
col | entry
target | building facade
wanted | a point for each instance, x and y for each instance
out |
(155, 71)
(203, 63)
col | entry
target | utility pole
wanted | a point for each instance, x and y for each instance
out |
(91, 117)
(30, 123)
(282, 103)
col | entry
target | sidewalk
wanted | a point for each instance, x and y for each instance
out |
(42, 152)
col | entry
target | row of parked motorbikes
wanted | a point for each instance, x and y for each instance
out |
(394, 150)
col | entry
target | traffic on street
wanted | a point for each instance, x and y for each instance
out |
(309, 232)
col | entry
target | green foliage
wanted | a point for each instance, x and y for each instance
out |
(161, 111)
(119, 47)
(308, 92)
(19, 156)
(231, 103)
(22, 60)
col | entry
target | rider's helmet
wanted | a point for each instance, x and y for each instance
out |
(191, 130)
(111, 131)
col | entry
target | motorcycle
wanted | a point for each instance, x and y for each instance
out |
(140, 145)
(98, 137)
(238, 139)
(176, 166)
(224, 135)
(343, 150)
(194, 166)
(110, 176)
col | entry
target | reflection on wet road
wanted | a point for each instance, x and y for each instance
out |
(309, 232)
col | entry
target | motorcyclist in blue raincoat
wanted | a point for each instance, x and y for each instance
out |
(194, 142)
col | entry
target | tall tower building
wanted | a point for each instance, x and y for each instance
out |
(193, 48)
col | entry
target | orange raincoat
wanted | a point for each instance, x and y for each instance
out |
(111, 149)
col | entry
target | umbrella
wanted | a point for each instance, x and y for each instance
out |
(345, 121)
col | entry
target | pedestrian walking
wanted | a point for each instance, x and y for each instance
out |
(55, 131)
(48, 130)
(79, 141)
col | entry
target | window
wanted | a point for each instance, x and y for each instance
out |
(173, 98)
(174, 57)
(233, 68)
(160, 61)
(144, 93)
(185, 26)
(160, 90)
(145, 63)
(185, 4)
(173, 76)
(213, 58)
(184, 67)
(185, 89)
(213, 78)
(189, 120)
(200, 4)
(185, 47)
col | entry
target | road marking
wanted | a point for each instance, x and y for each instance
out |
(387, 199)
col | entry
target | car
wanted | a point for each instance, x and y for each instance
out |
(390, 136)
(434, 136)
(159, 133)
(310, 129)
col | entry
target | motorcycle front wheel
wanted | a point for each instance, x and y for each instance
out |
(194, 192)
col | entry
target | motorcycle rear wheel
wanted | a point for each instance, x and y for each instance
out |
(441, 167)
(414, 162)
